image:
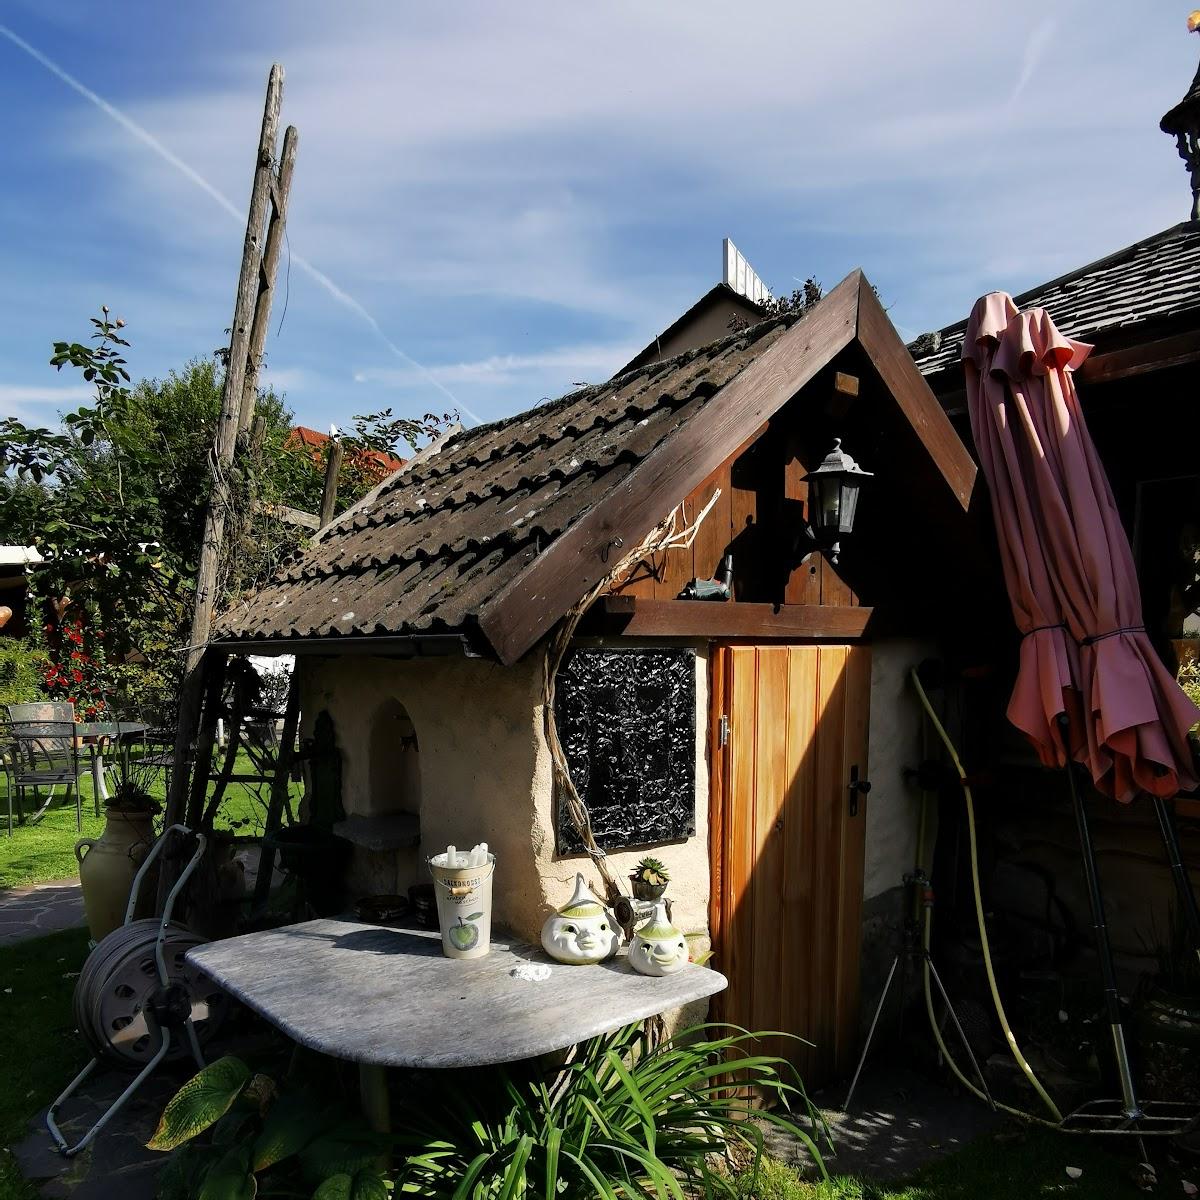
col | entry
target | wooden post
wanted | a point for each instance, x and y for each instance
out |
(333, 466)
(250, 315)
(280, 189)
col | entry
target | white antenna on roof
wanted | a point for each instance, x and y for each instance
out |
(738, 274)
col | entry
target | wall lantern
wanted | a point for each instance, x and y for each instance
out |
(833, 498)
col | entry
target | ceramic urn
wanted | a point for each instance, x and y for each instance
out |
(582, 931)
(658, 948)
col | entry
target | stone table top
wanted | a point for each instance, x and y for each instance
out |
(387, 996)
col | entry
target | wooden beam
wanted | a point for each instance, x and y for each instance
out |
(528, 606)
(293, 516)
(1139, 360)
(333, 465)
(845, 385)
(900, 376)
(637, 616)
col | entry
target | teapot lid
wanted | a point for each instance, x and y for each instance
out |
(658, 928)
(583, 903)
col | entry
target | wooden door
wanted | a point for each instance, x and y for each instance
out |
(787, 851)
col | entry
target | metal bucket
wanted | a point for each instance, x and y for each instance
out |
(464, 904)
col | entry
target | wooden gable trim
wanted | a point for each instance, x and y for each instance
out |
(639, 616)
(531, 603)
(527, 607)
(920, 406)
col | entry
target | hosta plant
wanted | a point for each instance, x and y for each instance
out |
(257, 1140)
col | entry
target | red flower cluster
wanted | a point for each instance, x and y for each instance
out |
(77, 670)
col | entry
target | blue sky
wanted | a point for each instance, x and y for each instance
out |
(522, 194)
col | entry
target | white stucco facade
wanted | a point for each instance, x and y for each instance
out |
(484, 776)
(895, 740)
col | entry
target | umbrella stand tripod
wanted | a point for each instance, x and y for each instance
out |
(1163, 1117)
(1183, 883)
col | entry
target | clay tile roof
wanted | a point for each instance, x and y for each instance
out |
(1149, 282)
(445, 534)
(507, 525)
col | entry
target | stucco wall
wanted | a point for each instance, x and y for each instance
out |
(893, 809)
(485, 776)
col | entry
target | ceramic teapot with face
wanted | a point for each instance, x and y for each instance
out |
(658, 947)
(582, 931)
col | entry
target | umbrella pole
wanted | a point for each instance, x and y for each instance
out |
(1183, 882)
(1112, 999)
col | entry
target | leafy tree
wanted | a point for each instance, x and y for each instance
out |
(114, 500)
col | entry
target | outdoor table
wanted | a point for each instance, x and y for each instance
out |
(382, 996)
(93, 735)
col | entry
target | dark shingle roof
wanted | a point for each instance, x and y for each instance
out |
(1150, 281)
(438, 539)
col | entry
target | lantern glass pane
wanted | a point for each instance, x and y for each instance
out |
(849, 492)
(827, 501)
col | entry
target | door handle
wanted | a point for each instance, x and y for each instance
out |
(856, 787)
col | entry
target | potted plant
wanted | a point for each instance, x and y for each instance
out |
(107, 864)
(649, 879)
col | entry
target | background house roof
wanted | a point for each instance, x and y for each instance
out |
(1141, 290)
(377, 463)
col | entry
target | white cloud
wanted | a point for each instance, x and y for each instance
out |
(583, 163)
(33, 403)
(572, 364)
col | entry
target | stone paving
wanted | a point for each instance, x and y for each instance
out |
(900, 1121)
(43, 908)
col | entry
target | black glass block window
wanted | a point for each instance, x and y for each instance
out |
(627, 722)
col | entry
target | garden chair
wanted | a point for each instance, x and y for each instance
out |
(46, 754)
(8, 762)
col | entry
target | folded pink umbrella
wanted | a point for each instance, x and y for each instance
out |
(1068, 565)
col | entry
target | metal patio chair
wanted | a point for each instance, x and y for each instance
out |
(45, 753)
(8, 763)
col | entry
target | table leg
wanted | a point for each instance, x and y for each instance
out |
(373, 1092)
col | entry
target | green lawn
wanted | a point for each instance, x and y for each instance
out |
(39, 1051)
(45, 851)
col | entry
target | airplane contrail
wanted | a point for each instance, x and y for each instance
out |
(149, 140)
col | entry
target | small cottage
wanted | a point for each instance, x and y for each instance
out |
(734, 703)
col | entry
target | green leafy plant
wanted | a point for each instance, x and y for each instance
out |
(621, 1119)
(261, 1141)
(22, 672)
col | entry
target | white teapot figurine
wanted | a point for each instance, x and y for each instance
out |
(581, 931)
(658, 948)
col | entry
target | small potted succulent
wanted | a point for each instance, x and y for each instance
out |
(649, 879)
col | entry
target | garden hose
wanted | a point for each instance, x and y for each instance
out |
(926, 933)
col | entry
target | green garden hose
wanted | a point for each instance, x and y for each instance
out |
(926, 931)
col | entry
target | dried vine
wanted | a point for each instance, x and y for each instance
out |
(663, 536)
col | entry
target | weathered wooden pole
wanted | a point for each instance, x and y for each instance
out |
(280, 188)
(333, 467)
(250, 316)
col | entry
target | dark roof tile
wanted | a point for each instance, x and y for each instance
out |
(440, 538)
